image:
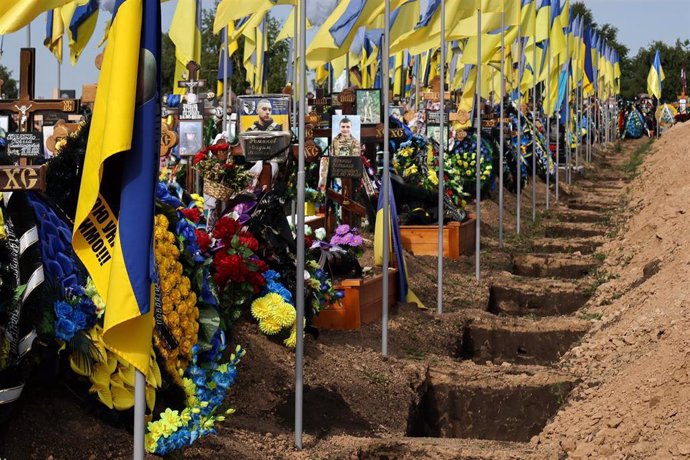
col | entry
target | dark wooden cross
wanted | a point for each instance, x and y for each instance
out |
(26, 106)
(192, 83)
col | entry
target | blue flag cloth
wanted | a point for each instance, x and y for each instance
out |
(395, 240)
(347, 21)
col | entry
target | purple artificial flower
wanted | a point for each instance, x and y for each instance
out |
(346, 239)
(342, 229)
(336, 240)
(356, 241)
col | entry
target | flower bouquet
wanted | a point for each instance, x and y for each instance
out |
(460, 168)
(223, 178)
(348, 239)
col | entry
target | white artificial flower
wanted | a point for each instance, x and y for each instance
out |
(320, 233)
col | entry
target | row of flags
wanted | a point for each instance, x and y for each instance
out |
(544, 44)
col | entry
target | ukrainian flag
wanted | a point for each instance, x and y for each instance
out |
(225, 60)
(113, 232)
(55, 29)
(82, 17)
(185, 33)
(656, 76)
(15, 14)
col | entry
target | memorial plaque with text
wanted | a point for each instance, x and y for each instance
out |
(26, 145)
(346, 167)
(15, 178)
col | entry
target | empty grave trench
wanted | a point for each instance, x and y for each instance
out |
(573, 230)
(488, 403)
(568, 245)
(553, 265)
(542, 298)
(519, 340)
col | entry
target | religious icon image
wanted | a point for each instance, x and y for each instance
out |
(191, 137)
(264, 113)
(346, 131)
(369, 106)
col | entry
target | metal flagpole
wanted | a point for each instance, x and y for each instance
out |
(418, 81)
(385, 82)
(578, 144)
(59, 79)
(294, 71)
(347, 69)
(299, 294)
(534, 127)
(548, 110)
(518, 153)
(139, 414)
(225, 80)
(567, 117)
(478, 211)
(441, 159)
(557, 115)
(501, 124)
(28, 35)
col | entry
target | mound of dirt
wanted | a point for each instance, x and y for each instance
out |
(634, 401)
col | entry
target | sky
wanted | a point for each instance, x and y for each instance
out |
(639, 23)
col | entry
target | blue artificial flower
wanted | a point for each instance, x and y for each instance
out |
(63, 309)
(164, 195)
(80, 320)
(64, 329)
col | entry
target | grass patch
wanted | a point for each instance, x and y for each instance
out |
(375, 377)
(637, 158)
(599, 256)
(591, 316)
(559, 392)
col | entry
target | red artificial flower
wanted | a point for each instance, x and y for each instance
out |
(261, 265)
(308, 241)
(203, 240)
(248, 240)
(229, 268)
(225, 229)
(220, 147)
(199, 157)
(192, 214)
(256, 280)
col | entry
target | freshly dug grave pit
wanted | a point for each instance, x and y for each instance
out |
(449, 448)
(573, 215)
(600, 205)
(568, 246)
(488, 402)
(535, 296)
(519, 340)
(553, 265)
(572, 230)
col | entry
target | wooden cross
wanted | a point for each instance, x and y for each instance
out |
(23, 178)
(26, 107)
(192, 83)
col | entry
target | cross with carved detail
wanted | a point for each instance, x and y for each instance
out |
(26, 106)
(192, 83)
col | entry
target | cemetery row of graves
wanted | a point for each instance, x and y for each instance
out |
(224, 230)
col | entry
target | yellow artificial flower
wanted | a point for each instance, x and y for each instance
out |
(285, 314)
(270, 326)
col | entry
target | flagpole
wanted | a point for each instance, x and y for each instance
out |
(501, 124)
(385, 82)
(347, 69)
(225, 80)
(28, 35)
(294, 71)
(518, 159)
(478, 211)
(548, 110)
(59, 79)
(139, 414)
(567, 117)
(299, 294)
(534, 126)
(417, 81)
(441, 159)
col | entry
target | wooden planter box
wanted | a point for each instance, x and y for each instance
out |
(458, 239)
(361, 303)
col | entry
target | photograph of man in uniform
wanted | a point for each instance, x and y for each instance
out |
(265, 122)
(369, 105)
(346, 142)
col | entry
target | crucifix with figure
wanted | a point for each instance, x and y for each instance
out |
(26, 106)
(192, 83)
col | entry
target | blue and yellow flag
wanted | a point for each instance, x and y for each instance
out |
(55, 29)
(224, 61)
(82, 17)
(185, 33)
(113, 232)
(656, 77)
(15, 14)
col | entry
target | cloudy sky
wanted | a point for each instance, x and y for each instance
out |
(639, 22)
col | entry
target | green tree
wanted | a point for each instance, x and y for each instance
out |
(673, 58)
(10, 86)
(211, 45)
(167, 64)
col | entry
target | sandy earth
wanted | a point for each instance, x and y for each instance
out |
(633, 366)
